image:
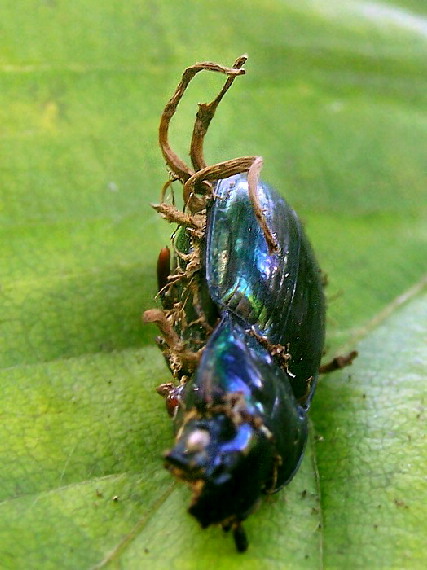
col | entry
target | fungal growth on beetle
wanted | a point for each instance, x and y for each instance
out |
(241, 325)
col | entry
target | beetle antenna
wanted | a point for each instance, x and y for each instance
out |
(212, 174)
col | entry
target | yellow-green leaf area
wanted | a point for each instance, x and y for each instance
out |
(334, 99)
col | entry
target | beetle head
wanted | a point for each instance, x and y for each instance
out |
(227, 467)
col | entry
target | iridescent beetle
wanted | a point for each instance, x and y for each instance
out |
(242, 327)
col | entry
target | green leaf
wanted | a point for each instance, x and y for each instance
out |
(370, 424)
(334, 99)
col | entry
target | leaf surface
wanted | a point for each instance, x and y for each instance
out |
(335, 101)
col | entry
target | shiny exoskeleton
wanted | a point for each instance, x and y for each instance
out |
(242, 332)
(242, 423)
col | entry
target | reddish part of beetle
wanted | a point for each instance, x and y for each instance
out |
(163, 268)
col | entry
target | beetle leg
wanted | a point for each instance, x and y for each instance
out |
(173, 215)
(204, 117)
(338, 362)
(253, 177)
(212, 174)
(168, 184)
(308, 390)
(165, 389)
(158, 317)
(278, 351)
(250, 164)
(277, 462)
(324, 278)
(171, 393)
(240, 538)
(193, 259)
(197, 305)
(178, 167)
(178, 356)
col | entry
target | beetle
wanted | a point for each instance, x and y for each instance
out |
(242, 327)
